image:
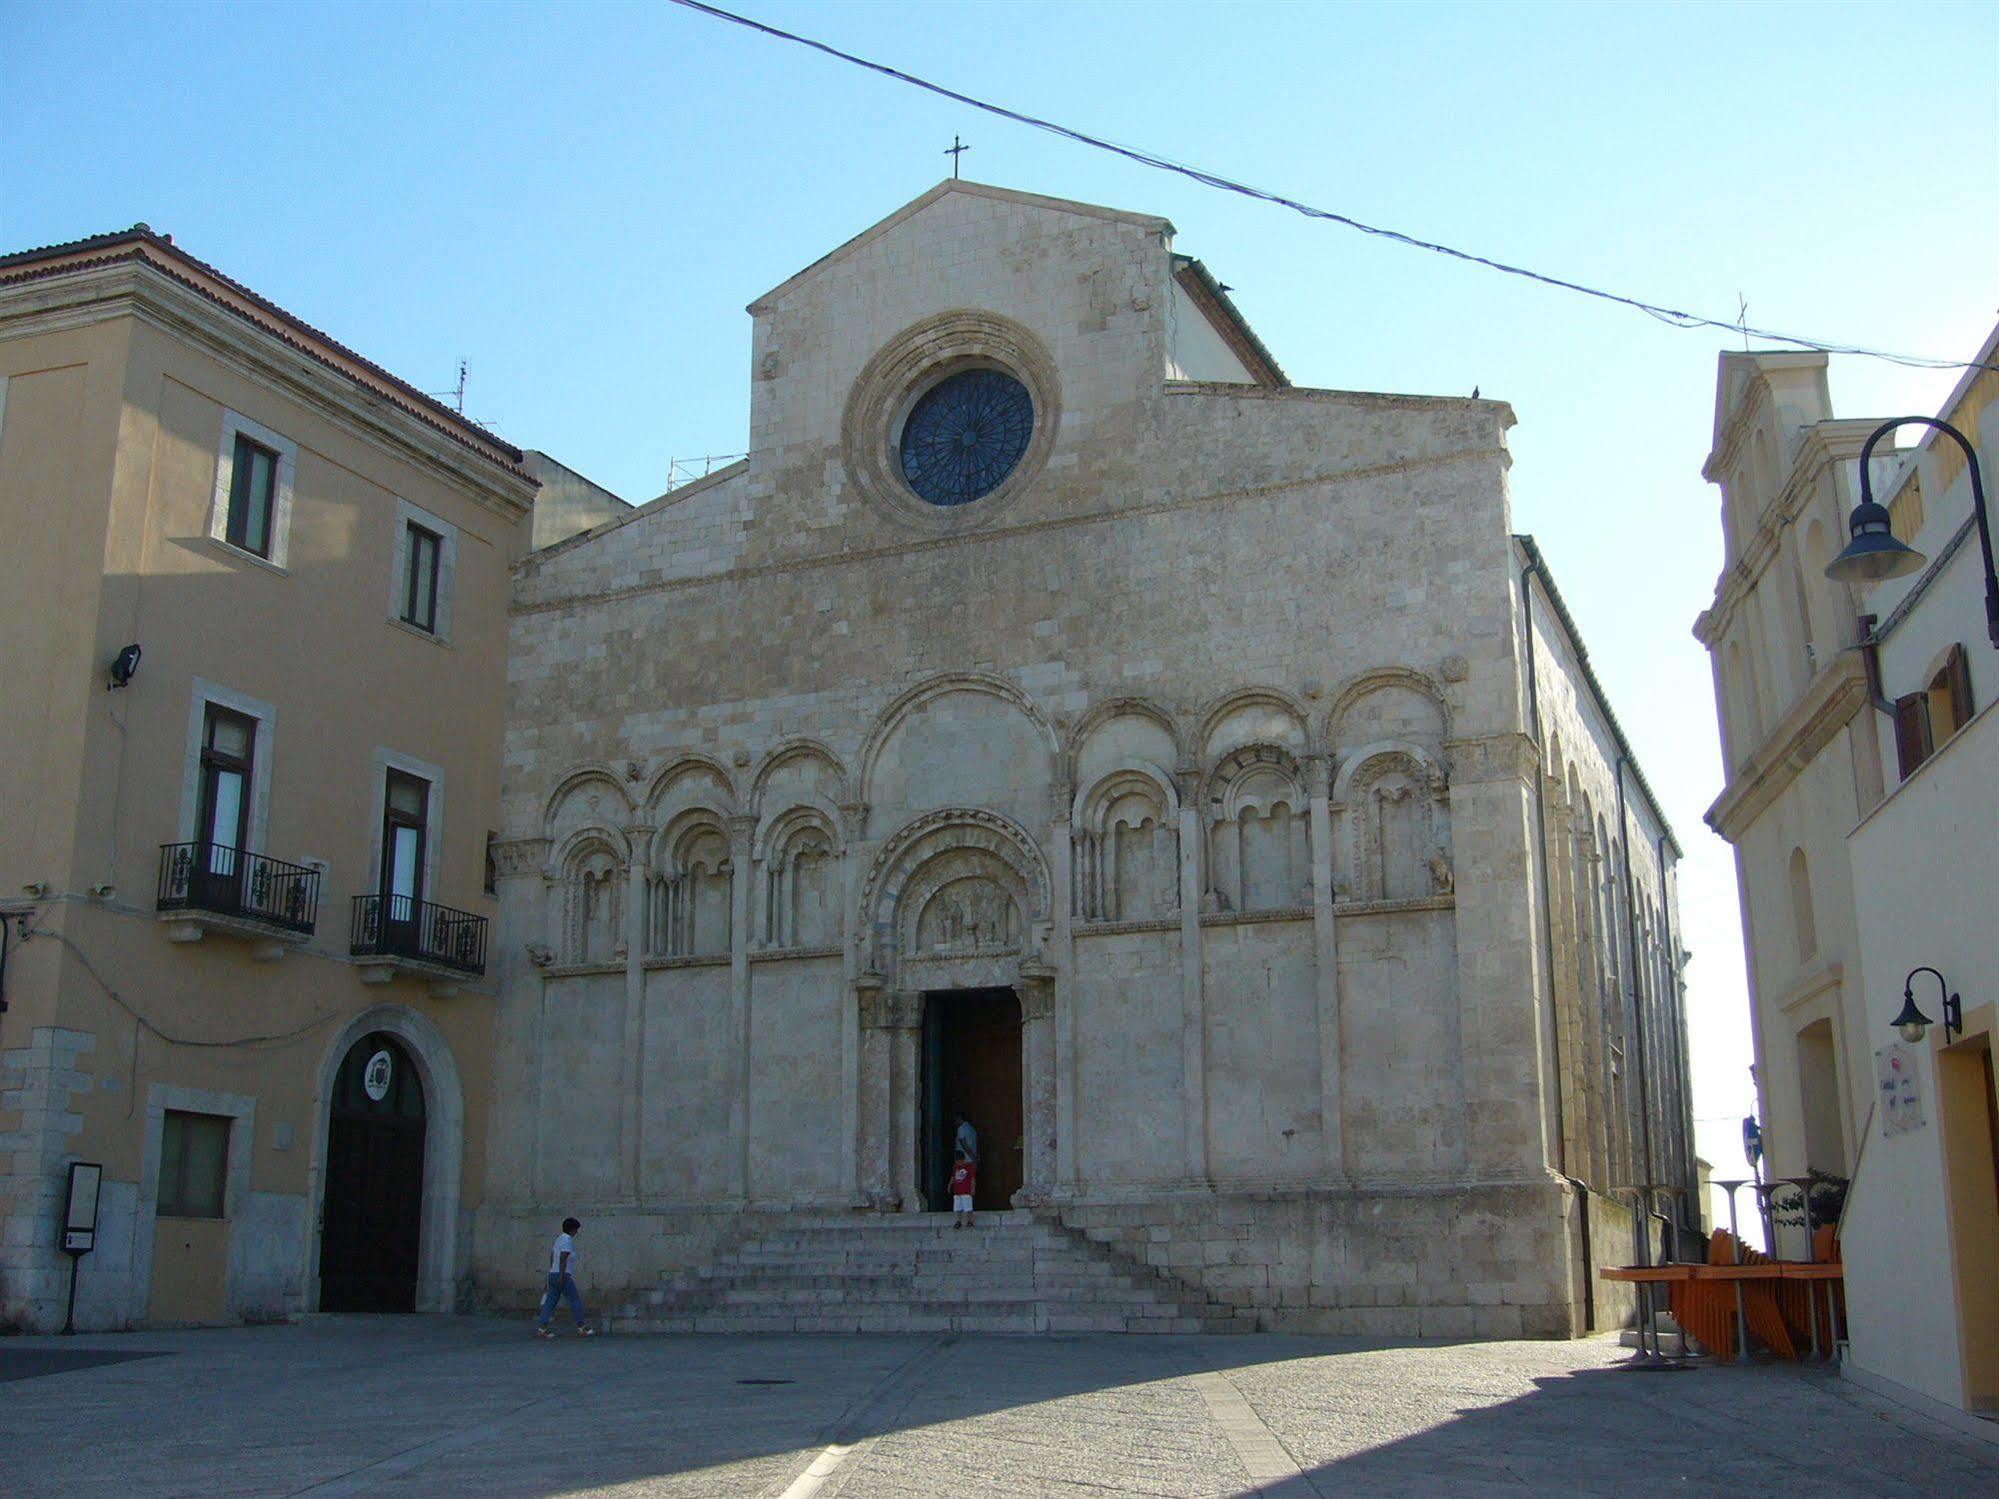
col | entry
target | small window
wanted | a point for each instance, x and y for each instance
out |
(253, 488)
(194, 1165)
(1924, 720)
(421, 553)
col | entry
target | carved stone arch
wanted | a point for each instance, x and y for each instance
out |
(1367, 682)
(795, 850)
(1126, 871)
(939, 848)
(1249, 764)
(685, 761)
(1430, 767)
(943, 684)
(1391, 798)
(689, 905)
(1258, 830)
(776, 829)
(798, 749)
(619, 813)
(591, 867)
(1120, 707)
(1218, 709)
(1091, 799)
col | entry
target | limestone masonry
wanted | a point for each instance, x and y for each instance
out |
(1215, 807)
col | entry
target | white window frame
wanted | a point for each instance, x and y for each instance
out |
(387, 760)
(447, 568)
(234, 425)
(262, 758)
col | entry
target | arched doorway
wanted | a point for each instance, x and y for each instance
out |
(373, 1216)
(971, 1069)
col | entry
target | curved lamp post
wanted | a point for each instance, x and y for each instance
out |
(1912, 1022)
(1873, 553)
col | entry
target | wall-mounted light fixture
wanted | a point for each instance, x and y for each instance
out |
(125, 666)
(1913, 1023)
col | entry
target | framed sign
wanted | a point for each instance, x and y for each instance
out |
(79, 1221)
(381, 1070)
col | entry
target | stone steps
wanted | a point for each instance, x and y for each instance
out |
(914, 1273)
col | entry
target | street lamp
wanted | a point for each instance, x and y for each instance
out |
(1912, 1022)
(1873, 553)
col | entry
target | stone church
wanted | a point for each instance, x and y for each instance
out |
(1061, 720)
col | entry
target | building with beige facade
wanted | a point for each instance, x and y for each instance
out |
(243, 863)
(1862, 749)
(1061, 719)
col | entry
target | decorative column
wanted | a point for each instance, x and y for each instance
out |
(741, 831)
(1040, 1083)
(904, 1021)
(632, 1066)
(1193, 1009)
(1326, 966)
(1062, 1020)
(853, 947)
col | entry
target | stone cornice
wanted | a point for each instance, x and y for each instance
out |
(137, 289)
(1835, 695)
(1822, 446)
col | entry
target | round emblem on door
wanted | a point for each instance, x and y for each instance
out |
(381, 1067)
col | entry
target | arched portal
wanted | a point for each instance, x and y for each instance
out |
(373, 1219)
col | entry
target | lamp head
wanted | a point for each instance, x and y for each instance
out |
(1912, 1022)
(125, 666)
(1873, 553)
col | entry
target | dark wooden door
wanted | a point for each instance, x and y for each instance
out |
(372, 1219)
(972, 1067)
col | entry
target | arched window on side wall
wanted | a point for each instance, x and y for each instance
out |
(1803, 923)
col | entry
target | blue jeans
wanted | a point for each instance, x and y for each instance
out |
(562, 1287)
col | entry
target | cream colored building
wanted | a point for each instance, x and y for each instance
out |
(1052, 668)
(234, 882)
(1859, 734)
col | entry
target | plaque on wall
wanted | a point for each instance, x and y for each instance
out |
(1900, 1083)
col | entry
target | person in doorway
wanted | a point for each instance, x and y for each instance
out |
(562, 1283)
(964, 1182)
(967, 1140)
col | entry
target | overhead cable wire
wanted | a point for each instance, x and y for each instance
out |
(1674, 317)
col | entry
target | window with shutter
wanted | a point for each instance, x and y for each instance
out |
(1912, 732)
(1957, 675)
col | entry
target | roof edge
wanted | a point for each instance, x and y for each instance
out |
(971, 189)
(159, 252)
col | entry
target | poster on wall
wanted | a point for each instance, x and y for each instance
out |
(1901, 1094)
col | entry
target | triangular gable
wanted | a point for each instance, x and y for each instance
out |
(950, 185)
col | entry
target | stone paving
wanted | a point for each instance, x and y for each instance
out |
(430, 1406)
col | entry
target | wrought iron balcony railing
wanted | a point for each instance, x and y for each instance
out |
(233, 882)
(395, 926)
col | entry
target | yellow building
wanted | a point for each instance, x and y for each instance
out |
(253, 604)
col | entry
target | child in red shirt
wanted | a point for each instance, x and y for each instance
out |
(964, 1181)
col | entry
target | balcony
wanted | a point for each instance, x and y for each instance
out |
(210, 887)
(394, 934)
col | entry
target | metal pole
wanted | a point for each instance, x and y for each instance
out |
(69, 1315)
(1977, 501)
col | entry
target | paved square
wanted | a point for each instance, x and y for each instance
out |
(418, 1405)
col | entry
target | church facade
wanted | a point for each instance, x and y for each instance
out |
(1061, 720)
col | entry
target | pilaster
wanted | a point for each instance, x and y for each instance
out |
(741, 831)
(1326, 966)
(1193, 1006)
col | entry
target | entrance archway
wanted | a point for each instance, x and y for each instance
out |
(372, 1218)
(971, 1068)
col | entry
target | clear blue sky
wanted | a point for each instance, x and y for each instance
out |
(580, 199)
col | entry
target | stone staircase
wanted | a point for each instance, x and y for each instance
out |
(1008, 1273)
